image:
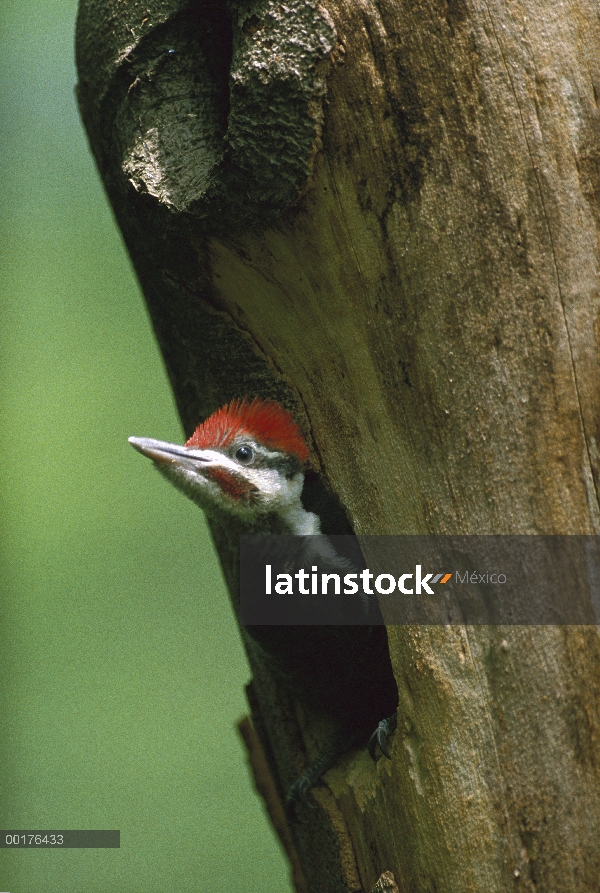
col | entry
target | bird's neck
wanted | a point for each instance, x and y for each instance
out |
(298, 521)
(289, 520)
(289, 517)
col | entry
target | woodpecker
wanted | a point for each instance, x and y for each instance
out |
(248, 460)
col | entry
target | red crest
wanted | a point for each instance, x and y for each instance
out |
(265, 421)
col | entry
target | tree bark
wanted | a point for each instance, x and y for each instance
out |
(385, 215)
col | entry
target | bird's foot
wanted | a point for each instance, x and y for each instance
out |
(380, 737)
(298, 795)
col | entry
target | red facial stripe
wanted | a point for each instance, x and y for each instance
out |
(262, 420)
(232, 484)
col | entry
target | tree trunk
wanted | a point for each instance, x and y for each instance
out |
(385, 215)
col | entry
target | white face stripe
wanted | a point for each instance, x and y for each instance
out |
(268, 480)
(214, 457)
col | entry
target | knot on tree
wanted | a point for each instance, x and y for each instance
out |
(215, 109)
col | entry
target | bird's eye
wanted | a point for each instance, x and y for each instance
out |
(244, 455)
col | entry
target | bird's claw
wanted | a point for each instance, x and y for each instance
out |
(298, 795)
(380, 737)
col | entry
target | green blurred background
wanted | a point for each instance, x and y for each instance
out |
(122, 673)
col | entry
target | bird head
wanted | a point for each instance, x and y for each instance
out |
(246, 459)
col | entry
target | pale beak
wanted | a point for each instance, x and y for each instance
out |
(172, 453)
